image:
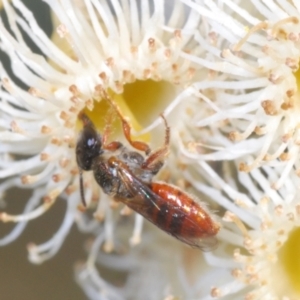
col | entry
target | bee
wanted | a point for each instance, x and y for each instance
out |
(127, 176)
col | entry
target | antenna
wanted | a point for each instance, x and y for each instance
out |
(81, 188)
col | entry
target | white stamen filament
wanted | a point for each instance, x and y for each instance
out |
(40, 253)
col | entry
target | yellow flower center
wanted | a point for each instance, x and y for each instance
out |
(141, 103)
(288, 259)
(147, 99)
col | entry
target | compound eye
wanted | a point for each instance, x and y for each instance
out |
(91, 142)
(88, 147)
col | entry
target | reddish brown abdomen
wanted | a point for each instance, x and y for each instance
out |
(180, 215)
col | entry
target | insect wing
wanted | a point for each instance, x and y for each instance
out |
(149, 205)
(143, 198)
(205, 244)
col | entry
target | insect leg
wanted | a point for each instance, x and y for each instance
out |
(139, 145)
(155, 160)
(115, 145)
